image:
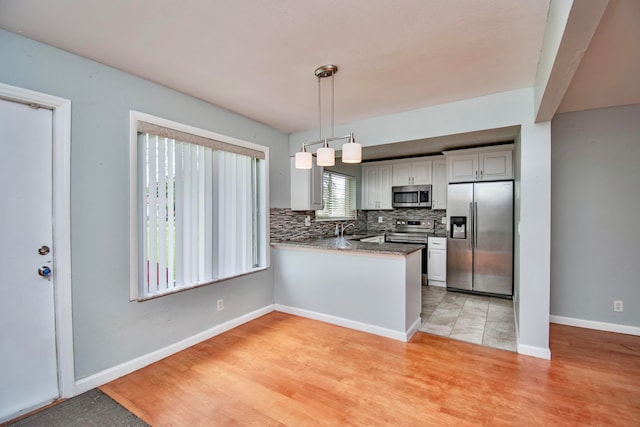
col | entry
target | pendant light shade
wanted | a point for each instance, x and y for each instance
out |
(304, 159)
(326, 155)
(351, 151)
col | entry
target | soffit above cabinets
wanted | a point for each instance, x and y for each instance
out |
(433, 146)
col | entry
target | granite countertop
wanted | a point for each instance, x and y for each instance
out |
(347, 244)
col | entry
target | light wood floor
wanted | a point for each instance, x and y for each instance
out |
(287, 370)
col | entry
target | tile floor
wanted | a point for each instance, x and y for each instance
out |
(473, 318)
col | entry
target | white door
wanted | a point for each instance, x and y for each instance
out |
(28, 361)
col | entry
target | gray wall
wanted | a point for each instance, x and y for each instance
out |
(595, 244)
(107, 328)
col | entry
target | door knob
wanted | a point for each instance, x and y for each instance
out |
(44, 271)
(43, 250)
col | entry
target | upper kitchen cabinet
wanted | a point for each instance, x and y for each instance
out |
(412, 172)
(439, 186)
(306, 187)
(376, 185)
(480, 164)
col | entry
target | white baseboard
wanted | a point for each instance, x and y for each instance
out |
(413, 328)
(529, 350)
(96, 380)
(437, 283)
(591, 324)
(351, 324)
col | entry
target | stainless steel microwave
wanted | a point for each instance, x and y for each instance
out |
(412, 196)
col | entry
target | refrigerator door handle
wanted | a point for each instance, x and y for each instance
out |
(470, 225)
(475, 224)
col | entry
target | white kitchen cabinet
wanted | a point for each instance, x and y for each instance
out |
(496, 165)
(439, 185)
(376, 186)
(437, 261)
(412, 172)
(480, 164)
(306, 187)
(462, 167)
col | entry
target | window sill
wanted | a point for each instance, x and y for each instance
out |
(334, 219)
(197, 285)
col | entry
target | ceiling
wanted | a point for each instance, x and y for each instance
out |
(257, 57)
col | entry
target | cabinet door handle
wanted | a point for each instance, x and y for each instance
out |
(481, 173)
(476, 174)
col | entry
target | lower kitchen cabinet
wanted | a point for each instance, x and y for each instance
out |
(437, 261)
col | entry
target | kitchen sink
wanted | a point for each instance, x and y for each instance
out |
(358, 236)
(377, 238)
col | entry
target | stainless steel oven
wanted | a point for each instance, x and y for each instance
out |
(413, 230)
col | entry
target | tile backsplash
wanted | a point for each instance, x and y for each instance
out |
(290, 225)
(389, 218)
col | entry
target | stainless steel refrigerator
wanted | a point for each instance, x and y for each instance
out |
(480, 237)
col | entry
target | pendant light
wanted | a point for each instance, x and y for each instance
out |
(326, 155)
(351, 151)
(304, 159)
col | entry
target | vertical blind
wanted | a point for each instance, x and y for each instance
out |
(339, 196)
(198, 214)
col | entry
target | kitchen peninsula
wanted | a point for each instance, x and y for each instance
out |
(371, 287)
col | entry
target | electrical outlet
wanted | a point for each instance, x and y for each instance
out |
(220, 304)
(380, 220)
(307, 221)
(444, 220)
(617, 305)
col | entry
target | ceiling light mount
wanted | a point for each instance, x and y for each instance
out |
(326, 71)
(351, 150)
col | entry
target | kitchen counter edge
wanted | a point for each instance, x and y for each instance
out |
(345, 245)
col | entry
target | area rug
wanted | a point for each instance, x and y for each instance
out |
(93, 408)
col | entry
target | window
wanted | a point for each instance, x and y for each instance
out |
(198, 210)
(339, 197)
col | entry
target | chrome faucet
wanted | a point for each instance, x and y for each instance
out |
(342, 228)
